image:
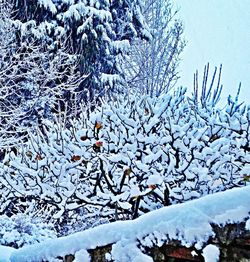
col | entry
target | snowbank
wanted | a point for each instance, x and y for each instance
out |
(189, 223)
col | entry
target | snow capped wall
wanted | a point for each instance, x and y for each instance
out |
(190, 223)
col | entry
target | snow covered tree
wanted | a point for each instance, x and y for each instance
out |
(32, 81)
(127, 158)
(151, 67)
(99, 30)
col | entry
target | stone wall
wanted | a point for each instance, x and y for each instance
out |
(233, 241)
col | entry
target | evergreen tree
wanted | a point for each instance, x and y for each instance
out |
(99, 30)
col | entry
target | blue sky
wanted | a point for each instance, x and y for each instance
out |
(218, 32)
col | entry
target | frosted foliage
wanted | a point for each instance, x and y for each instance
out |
(27, 75)
(32, 80)
(48, 4)
(127, 158)
(21, 230)
(151, 67)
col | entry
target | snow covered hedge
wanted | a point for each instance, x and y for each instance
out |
(127, 158)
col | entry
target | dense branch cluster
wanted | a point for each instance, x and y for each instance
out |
(151, 67)
(25, 99)
(126, 158)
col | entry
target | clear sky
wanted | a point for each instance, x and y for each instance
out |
(218, 32)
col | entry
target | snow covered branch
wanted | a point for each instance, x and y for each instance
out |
(32, 81)
(151, 67)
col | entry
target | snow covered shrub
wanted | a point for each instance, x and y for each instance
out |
(127, 158)
(20, 230)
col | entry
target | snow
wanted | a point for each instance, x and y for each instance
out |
(48, 4)
(188, 222)
(121, 45)
(5, 253)
(110, 79)
(20, 230)
(82, 255)
(231, 216)
(211, 253)
(248, 224)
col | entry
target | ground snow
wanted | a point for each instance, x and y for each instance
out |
(188, 222)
